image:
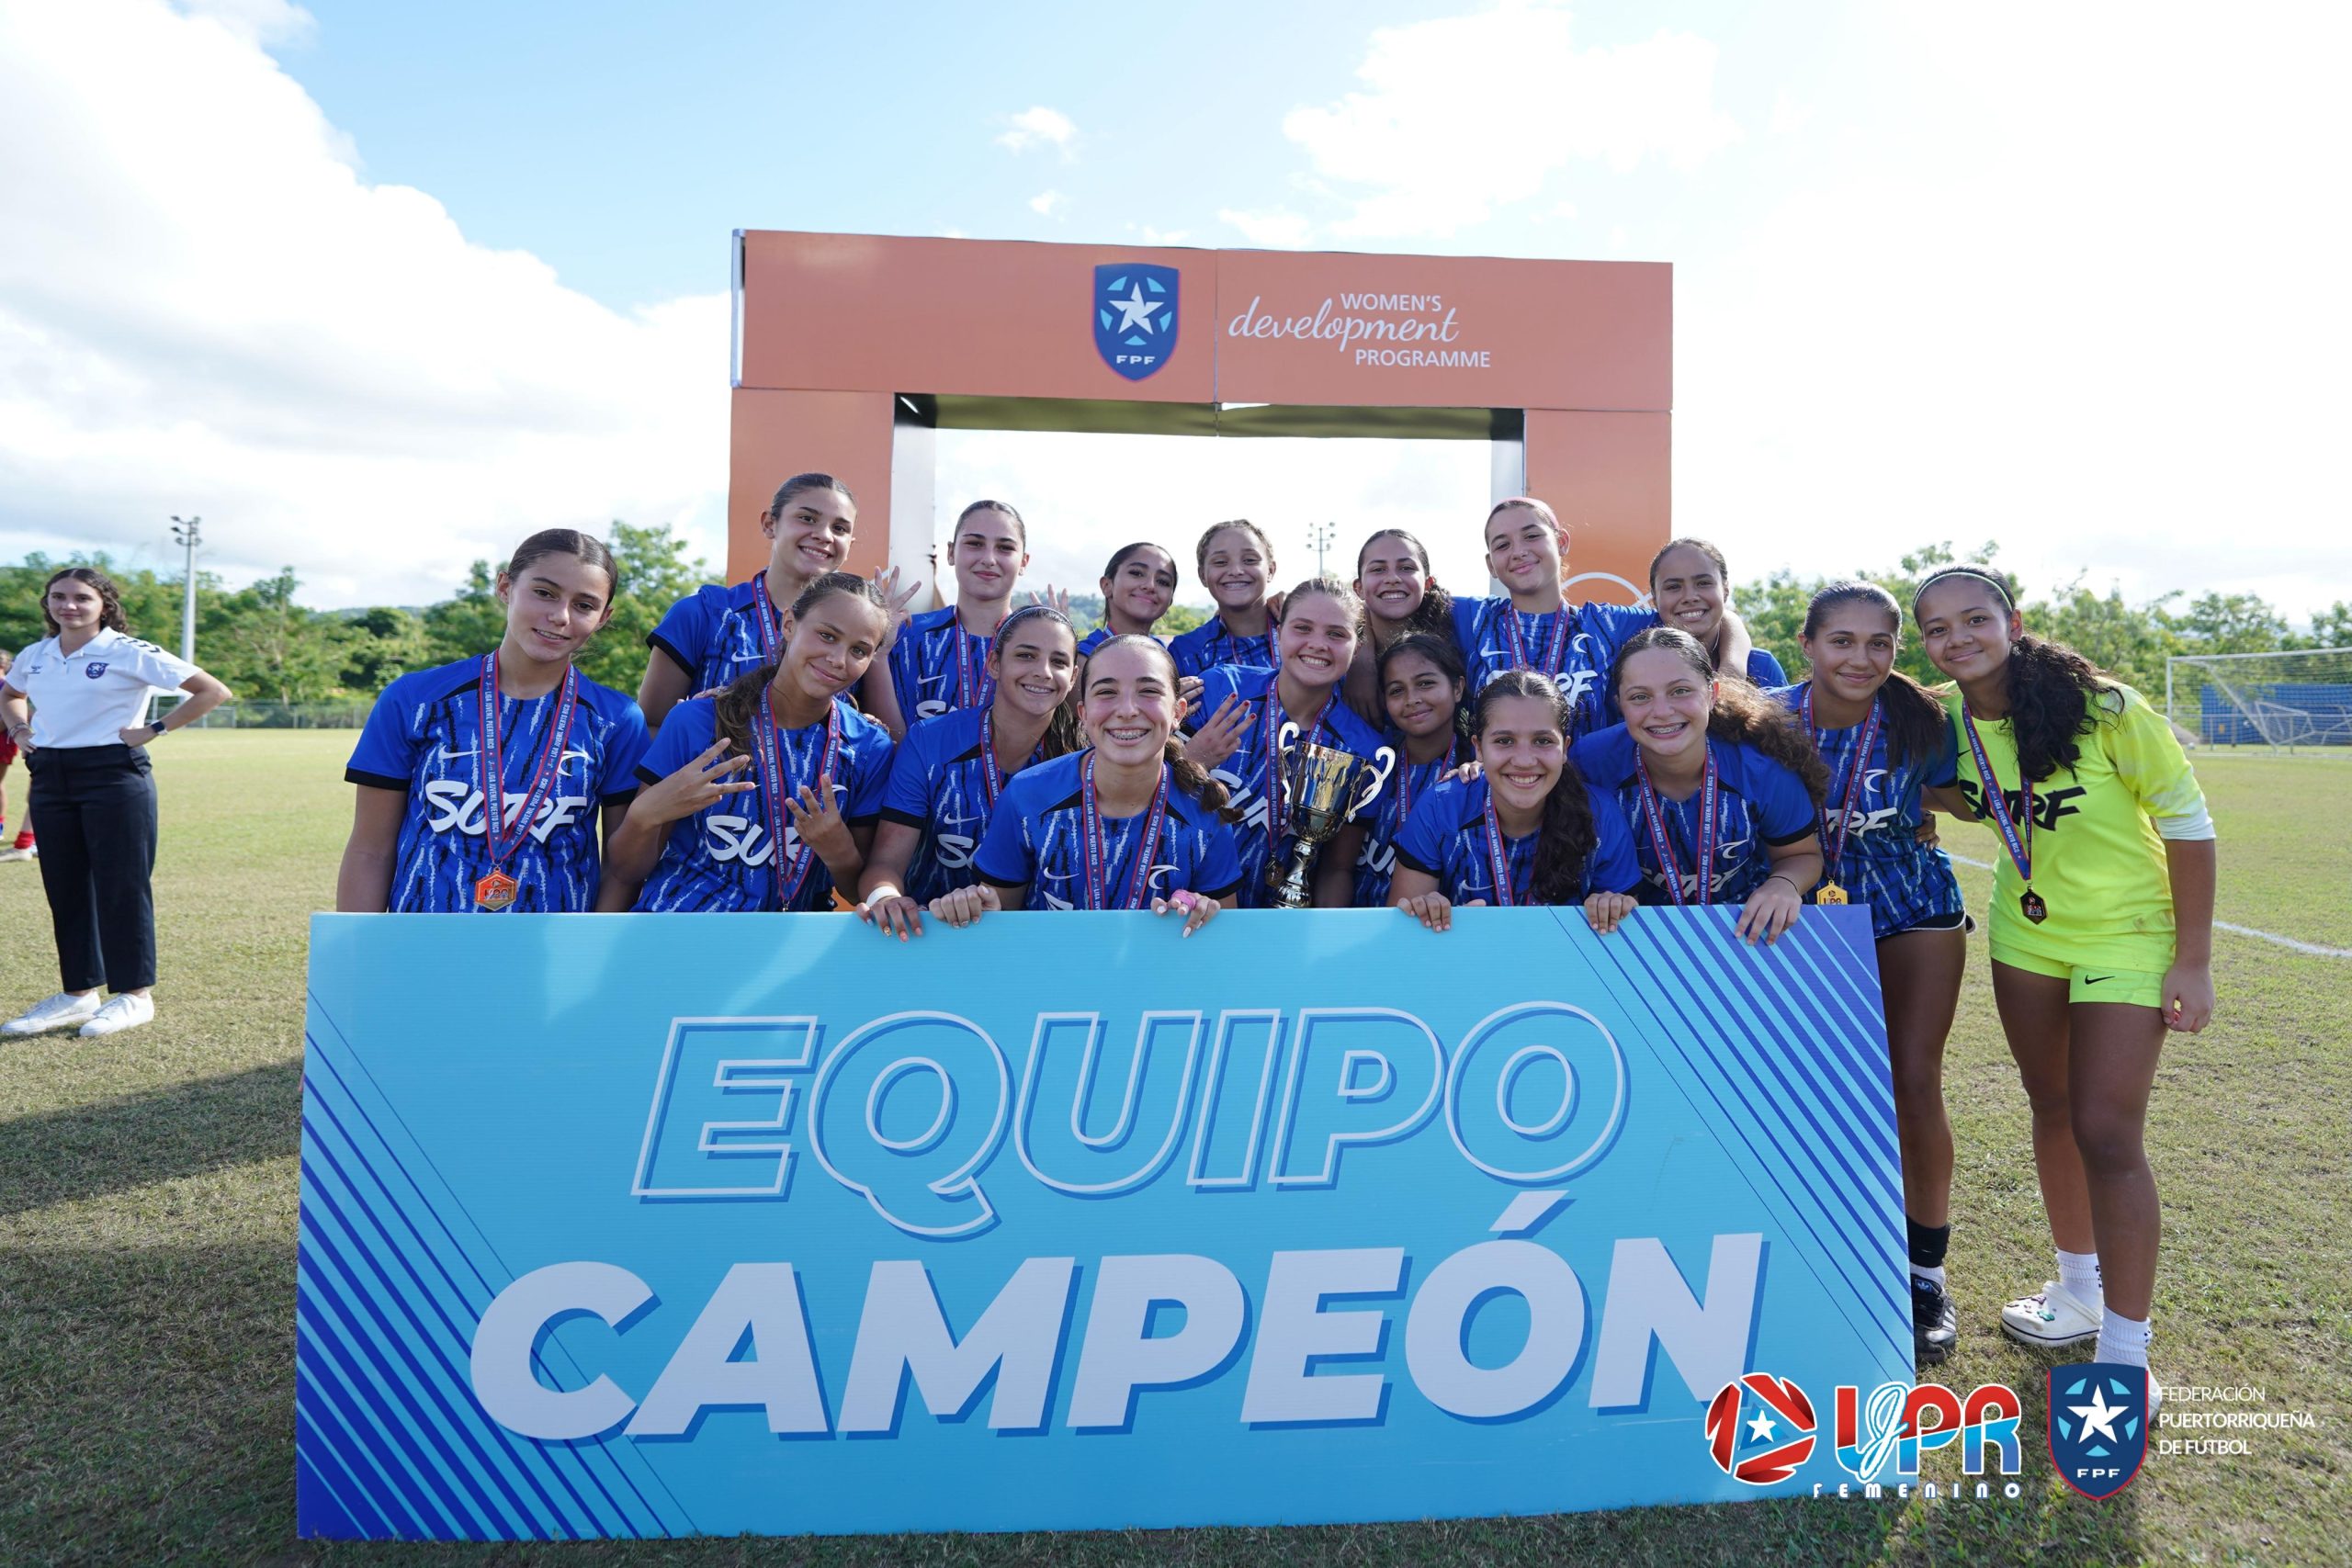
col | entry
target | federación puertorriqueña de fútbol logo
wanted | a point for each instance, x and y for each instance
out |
(1135, 317)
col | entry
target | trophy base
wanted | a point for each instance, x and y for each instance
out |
(1294, 889)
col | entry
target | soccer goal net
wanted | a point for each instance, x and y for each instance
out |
(2300, 698)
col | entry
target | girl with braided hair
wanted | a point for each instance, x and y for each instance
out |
(764, 796)
(1528, 831)
(2102, 930)
(1129, 823)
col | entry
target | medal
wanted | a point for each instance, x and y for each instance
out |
(1554, 654)
(1851, 798)
(1097, 843)
(500, 836)
(1662, 841)
(1997, 805)
(767, 757)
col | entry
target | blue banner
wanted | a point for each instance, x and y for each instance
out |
(631, 1226)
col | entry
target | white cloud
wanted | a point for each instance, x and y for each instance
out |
(204, 308)
(1040, 127)
(1278, 230)
(1151, 236)
(1046, 203)
(1789, 115)
(275, 23)
(1425, 164)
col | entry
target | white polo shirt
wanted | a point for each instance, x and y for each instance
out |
(89, 696)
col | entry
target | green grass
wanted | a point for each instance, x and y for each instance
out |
(147, 1199)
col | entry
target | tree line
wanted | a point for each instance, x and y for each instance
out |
(269, 646)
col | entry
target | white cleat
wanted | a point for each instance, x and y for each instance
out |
(63, 1011)
(125, 1011)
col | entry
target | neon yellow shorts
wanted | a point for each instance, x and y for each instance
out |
(2091, 982)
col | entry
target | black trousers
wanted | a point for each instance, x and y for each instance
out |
(93, 807)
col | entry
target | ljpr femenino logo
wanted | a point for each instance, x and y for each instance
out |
(1762, 1429)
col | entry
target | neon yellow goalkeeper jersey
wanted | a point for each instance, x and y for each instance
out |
(2099, 863)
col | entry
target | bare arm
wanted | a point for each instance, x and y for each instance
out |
(2188, 984)
(1335, 868)
(1415, 892)
(1773, 908)
(364, 883)
(878, 695)
(16, 717)
(882, 900)
(633, 848)
(1736, 644)
(664, 687)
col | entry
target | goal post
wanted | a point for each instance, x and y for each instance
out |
(2299, 697)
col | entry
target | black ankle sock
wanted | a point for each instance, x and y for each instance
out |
(1927, 1243)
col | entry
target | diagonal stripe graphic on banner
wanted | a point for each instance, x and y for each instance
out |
(1778, 1095)
(1862, 1039)
(1763, 1160)
(1846, 1096)
(321, 1410)
(1769, 1100)
(360, 1401)
(458, 1372)
(459, 1405)
(584, 1458)
(363, 1334)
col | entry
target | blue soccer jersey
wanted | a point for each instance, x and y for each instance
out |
(720, 631)
(1759, 805)
(937, 667)
(939, 786)
(1208, 645)
(1882, 864)
(1573, 645)
(1037, 840)
(1094, 639)
(724, 857)
(424, 739)
(1446, 838)
(1385, 818)
(1245, 773)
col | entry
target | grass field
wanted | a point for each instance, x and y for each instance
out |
(147, 1209)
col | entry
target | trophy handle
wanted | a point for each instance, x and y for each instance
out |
(1383, 763)
(1284, 736)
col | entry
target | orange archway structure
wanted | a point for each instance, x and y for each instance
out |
(851, 350)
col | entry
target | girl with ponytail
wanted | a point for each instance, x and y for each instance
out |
(1127, 824)
(1237, 565)
(938, 662)
(764, 796)
(1535, 625)
(1528, 831)
(1249, 708)
(1401, 599)
(1421, 686)
(948, 773)
(2102, 931)
(1718, 784)
(721, 630)
(1888, 750)
(1138, 587)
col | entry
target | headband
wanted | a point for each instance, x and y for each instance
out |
(1991, 582)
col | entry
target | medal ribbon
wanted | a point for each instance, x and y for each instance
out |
(1553, 656)
(1996, 805)
(764, 616)
(1097, 843)
(1851, 795)
(1498, 856)
(992, 777)
(1277, 783)
(768, 754)
(1662, 841)
(503, 837)
(973, 687)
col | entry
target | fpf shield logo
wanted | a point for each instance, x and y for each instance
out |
(2099, 1426)
(1760, 1430)
(1135, 317)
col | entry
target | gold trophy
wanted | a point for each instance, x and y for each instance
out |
(1316, 781)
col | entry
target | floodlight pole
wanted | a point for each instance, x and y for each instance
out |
(186, 530)
(1320, 534)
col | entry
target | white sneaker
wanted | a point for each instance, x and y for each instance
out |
(2053, 1320)
(60, 1011)
(125, 1011)
(30, 852)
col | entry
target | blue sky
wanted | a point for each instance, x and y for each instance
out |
(379, 288)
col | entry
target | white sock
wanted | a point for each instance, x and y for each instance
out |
(2123, 1340)
(1933, 1276)
(2078, 1271)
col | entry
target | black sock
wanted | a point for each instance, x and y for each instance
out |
(1927, 1243)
